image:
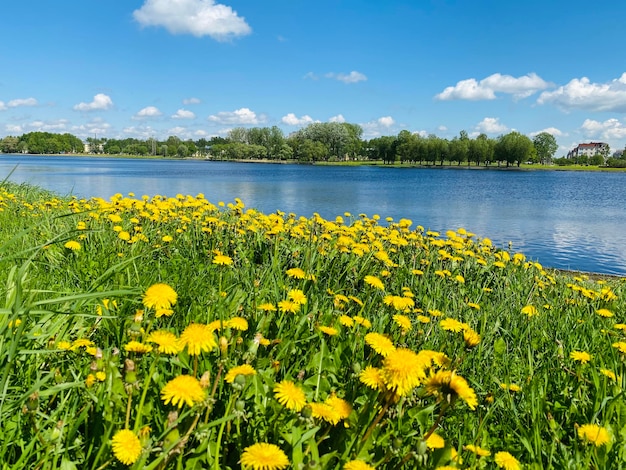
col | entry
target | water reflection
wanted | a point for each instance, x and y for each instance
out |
(571, 220)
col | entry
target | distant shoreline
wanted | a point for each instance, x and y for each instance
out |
(347, 163)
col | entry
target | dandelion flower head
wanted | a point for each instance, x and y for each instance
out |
(126, 446)
(183, 389)
(263, 456)
(290, 395)
(159, 296)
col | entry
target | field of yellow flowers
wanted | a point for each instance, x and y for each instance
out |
(171, 332)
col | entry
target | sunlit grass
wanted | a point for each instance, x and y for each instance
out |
(172, 332)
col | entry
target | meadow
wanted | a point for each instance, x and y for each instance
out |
(174, 332)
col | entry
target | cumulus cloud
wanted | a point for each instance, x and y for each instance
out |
(607, 130)
(242, 116)
(147, 113)
(191, 101)
(311, 76)
(56, 126)
(100, 102)
(352, 77)
(581, 93)
(486, 89)
(550, 130)
(376, 128)
(338, 118)
(183, 114)
(491, 125)
(97, 126)
(22, 102)
(196, 17)
(292, 120)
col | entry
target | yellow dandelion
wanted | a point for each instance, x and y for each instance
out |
(594, 434)
(237, 323)
(620, 326)
(159, 296)
(101, 376)
(167, 342)
(507, 461)
(364, 322)
(603, 312)
(137, 347)
(403, 322)
(183, 389)
(374, 282)
(325, 412)
(372, 377)
(450, 324)
(296, 273)
(90, 380)
(297, 296)
(346, 321)
(403, 370)
(580, 356)
(126, 446)
(448, 386)
(222, 260)
(423, 319)
(380, 343)
(530, 310)
(620, 346)
(288, 306)
(341, 406)
(245, 369)
(197, 337)
(267, 307)
(329, 330)
(81, 343)
(72, 245)
(473, 305)
(263, 456)
(435, 441)
(435, 313)
(608, 373)
(357, 465)
(471, 338)
(510, 387)
(479, 451)
(290, 395)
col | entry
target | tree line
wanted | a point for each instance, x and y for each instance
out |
(316, 142)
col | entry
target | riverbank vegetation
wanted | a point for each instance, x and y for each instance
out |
(172, 332)
(326, 142)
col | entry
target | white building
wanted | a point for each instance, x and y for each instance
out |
(590, 150)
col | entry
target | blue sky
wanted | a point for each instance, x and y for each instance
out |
(197, 68)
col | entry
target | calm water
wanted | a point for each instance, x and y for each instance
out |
(571, 220)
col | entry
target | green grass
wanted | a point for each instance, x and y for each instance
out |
(75, 319)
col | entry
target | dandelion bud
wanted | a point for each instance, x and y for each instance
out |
(240, 405)
(223, 345)
(240, 382)
(422, 447)
(205, 380)
(171, 439)
(33, 402)
(307, 412)
(172, 417)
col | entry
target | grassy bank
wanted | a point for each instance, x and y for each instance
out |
(174, 332)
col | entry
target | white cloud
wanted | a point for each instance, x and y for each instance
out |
(442, 128)
(311, 75)
(148, 112)
(292, 120)
(466, 90)
(582, 94)
(491, 125)
(240, 116)
(376, 128)
(191, 101)
(3, 107)
(472, 89)
(22, 102)
(352, 77)
(57, 126)
(183, 114)
(607, 130)
(100, 102)
(337, 118)
(143, 132)
(196, 17)
(97, 127)
(550, 130)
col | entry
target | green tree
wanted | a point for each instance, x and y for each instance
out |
(512, 148)
(546, 146)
